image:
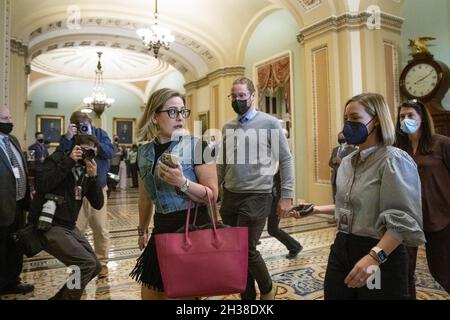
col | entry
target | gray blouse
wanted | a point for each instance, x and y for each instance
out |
(380, 188)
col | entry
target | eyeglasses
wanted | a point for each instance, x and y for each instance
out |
(239, 96)
(174, 113)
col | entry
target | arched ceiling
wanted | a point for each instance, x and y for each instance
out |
(63, 35)
(79, 62)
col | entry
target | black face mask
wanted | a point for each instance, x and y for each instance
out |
(240, 106)
(40, 140)
(116, 140)
(6, 128)
(342, 141)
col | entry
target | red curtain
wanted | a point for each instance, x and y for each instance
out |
(275, 75)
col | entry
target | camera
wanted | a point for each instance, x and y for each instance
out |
(82, 128)
(48, 211)
(113, 177)
(88, 154)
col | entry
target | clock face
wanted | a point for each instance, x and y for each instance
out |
(421, 80)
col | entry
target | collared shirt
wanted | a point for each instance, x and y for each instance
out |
(16, 153)
(249, 115)
(380, 186)
(14, 149)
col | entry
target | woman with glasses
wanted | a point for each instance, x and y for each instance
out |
(168, 190)
(415, 134)
(377, 209)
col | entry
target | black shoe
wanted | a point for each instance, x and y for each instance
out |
(21, 288)
(294, 253)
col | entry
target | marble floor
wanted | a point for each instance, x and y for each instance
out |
(298, 279)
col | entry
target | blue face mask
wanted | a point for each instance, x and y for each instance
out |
(409, 126)
(356, 133)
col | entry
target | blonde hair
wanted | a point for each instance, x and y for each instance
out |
(147, 130)
(376, 106)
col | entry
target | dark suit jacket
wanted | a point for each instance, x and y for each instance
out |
(8, 187)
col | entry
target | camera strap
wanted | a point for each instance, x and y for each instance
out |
(79, 174)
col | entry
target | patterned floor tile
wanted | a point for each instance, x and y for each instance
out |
(296, 279)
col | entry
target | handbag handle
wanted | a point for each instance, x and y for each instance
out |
(216, 242)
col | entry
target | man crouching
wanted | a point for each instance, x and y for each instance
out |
(61, 183)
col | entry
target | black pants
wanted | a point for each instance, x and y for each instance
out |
(273, 227)
(251, 211)
(346, 251)
(72, 248)
(134, 175)
(11, 260)
(438, 258)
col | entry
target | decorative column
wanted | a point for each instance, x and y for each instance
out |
(343, 56)
(5, 35)
(18, 90)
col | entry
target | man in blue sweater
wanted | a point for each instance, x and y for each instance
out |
(80, 123)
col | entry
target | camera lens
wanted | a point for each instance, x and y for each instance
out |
(88, 154)
(83, 128)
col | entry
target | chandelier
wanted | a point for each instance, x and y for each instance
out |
(156, 37)
(97, 101)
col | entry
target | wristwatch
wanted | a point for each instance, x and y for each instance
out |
(185, 186)
(380, 254)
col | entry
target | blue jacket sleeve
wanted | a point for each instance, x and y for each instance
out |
(65, 145)
(105, 147)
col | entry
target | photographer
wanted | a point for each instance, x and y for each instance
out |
(62, 183)
(89, 216)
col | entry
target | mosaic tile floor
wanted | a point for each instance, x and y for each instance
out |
(298, 279)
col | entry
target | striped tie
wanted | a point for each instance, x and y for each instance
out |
(21, 182)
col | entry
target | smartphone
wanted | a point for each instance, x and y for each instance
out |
(303, 209)
(170, 160)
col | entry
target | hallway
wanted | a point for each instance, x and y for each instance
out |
(298, 279)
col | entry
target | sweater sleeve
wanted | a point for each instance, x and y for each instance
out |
(286, 163)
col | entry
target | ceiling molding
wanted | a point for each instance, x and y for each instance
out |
(235, 71)
(110, 25)
(171, 57)
(347, 20)
(309, 5)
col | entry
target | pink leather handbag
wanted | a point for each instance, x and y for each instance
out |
(207, 262)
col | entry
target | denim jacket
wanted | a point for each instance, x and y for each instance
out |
(163, 195)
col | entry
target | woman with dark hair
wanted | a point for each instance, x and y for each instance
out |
(415, 134)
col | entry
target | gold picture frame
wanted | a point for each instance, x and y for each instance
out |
(52, 126)
(125, 129)
(203, 117)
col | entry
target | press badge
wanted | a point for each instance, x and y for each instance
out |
(16, 172)
(78, 193)
(344, 223)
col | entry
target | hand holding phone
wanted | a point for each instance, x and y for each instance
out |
(303, 209)
(170, 160)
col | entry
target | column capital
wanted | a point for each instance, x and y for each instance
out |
(232, 71)
(350, 21)
(17, 47)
